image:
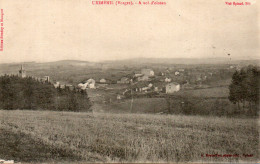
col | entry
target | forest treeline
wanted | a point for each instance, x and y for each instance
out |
(29, 93)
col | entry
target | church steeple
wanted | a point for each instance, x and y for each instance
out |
(22, 72)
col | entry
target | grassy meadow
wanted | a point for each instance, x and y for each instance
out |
(140, 105)
(37, 136)
(206, 92)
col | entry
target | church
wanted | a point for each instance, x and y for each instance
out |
(22, 72)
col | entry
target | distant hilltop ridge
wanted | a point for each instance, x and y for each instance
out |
(223, 60)
(226, 60)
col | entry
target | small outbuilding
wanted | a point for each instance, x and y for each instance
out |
(147, 72)
(102, 80)
(172, 87)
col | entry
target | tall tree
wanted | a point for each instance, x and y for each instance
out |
(245, 87)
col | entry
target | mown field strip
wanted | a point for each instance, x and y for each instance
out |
(136, 137)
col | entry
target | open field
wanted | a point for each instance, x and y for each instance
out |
(36, 136)
(139, 105)
(207, 92)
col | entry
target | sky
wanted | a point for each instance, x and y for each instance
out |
(51, 30)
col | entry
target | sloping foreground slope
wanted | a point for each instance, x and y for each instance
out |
(126, 137)
(21, 147)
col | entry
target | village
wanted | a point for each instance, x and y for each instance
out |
(142, 82)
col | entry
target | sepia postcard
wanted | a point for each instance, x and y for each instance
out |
(129, 81)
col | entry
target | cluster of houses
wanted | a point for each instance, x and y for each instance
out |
(90, 83)
(145, 81)
(149, 86)
(63, 86)
(140, 82)
(149, 82)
